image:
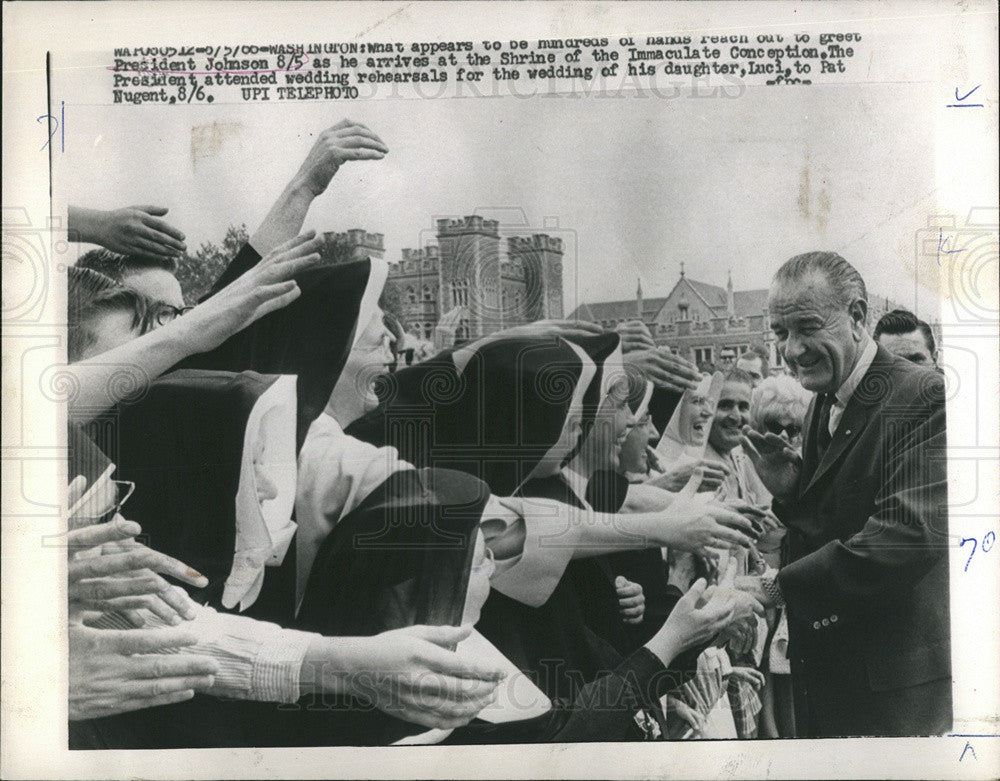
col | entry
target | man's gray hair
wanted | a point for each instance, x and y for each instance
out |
(844, 279)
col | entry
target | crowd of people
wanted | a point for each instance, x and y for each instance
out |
(553, 533)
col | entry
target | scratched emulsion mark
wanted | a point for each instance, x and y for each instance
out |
(207, 140)
(819, 216)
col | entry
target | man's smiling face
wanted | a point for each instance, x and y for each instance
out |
(819, 339)
(731, 415)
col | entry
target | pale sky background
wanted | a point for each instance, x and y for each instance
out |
(637, 184)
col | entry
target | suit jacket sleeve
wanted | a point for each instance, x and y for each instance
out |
(900, 541)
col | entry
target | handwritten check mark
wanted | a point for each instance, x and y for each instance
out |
(960, 104)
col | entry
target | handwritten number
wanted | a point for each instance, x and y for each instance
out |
(962, 543)
(987, 545)
(60, 124)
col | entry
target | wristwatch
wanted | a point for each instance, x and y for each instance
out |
(769, 582)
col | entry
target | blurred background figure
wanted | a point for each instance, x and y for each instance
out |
(902, 334)
(754, 362)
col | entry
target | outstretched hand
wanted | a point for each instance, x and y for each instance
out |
(347, 140)
(713, 473)
(132, 230)
(267, 287)
(414, 674)
(704, 528)
(116, 671)
(567, 329)
(109, 571)
(664, 368)
(635, 335)
(776, 462)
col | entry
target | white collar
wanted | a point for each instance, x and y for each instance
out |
(577, 484)
(264, 527)
(846, 390)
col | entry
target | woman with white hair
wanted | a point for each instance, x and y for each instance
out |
(778, 405)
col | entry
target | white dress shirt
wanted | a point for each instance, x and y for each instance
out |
(846, 390)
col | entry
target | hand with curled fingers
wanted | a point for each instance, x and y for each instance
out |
(567, 329)
(713, 473)
(700, 615)
(117, 671)
(751, 675)
(413, 674)
(775, 460)
(664, 368)
(704, 527)
(110, 571)
(132, 230)
(685, 713)
(267, 287)
(635, 335)
(345, 141)
(631, 600)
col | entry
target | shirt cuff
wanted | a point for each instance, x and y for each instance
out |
(278, 665)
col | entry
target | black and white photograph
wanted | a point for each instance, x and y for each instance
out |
(399, 388)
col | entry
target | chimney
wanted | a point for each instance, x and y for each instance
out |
(730, 298)
(638, 298)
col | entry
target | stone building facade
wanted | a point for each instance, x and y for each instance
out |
(705, 322)
(483, 283)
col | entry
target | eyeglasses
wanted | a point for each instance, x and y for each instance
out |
(166, 313)
(775, 427)
(123, 490)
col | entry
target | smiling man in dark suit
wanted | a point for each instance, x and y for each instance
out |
(865, 565)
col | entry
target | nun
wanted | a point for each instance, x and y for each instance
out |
(416, 551)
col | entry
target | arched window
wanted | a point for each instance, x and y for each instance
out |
(411, 295)
(428, 293)
(460, 292)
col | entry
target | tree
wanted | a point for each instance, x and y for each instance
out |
(336, 249)
(392, 300)
(197, 273)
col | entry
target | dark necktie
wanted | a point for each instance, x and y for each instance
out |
(823, 435)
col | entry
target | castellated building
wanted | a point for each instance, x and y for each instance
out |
(707, 323)
(352, 245)
(476, 282)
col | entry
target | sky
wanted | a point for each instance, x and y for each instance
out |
(634, 184)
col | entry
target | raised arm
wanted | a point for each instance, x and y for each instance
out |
(104, 380)
(347, 140)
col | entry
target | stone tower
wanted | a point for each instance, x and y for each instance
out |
(470, 273)
(541, 257)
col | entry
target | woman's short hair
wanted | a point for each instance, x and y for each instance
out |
(778, 394)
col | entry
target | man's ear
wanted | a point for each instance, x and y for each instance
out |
(858, 311)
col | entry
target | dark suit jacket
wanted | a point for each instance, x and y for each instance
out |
(865, 573)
